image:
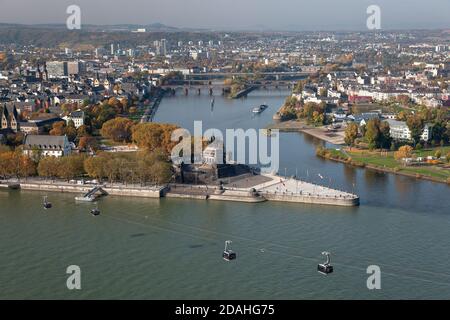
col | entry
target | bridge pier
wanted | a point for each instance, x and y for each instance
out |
(186, 91)
(198, 91)
(211, 91)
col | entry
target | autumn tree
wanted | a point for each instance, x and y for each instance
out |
(153, 136)
(403, 152)
(58, 128)
(15, 164)
(70, 131)
(88, 143)
(94, 167)
(48, 167)
(70, 167)
(118, 129)
(351, 133)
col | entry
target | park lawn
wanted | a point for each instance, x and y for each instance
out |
(432, 151)
(375, 159)
(442, 174)
(382, 161)
(337, 154)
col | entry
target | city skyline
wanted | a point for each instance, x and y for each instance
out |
(283, 15)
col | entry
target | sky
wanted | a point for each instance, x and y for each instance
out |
(293, 15)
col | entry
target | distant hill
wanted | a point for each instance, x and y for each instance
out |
(52, 35)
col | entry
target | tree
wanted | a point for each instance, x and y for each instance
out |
(48, 167)
(70, 167)
(323, 92)
(373, 133)
(82, 131)
(385, 135)
(88, 143)
(403, 152)
(415, 125)
(71, 132)
(94, 167)
(154, 136)
(58, 128)
(27, 166)
(9, 165)
(118, 129)
(351, 133)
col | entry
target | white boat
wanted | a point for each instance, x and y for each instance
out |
(260, 109)
(85, 199)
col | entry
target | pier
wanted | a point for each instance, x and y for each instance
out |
(92, 194)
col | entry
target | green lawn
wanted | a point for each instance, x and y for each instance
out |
(432, 151)
(375, 159)
(388, 161)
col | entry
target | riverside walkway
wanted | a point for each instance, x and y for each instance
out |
(293, 190)
(258, 188)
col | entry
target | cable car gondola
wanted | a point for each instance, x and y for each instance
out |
(326, 267)
(228, 254)
(47, 205)
(95, 211)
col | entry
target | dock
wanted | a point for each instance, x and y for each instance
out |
(92, 194)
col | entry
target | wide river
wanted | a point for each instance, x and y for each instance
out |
(171, 249)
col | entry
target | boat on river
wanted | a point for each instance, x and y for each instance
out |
(260, 109)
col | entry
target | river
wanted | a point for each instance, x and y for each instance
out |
(171, 249)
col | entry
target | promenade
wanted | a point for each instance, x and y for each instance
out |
(258, 188)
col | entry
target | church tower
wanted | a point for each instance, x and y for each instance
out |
(5, 118)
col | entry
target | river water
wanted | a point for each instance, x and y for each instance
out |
(171, 249)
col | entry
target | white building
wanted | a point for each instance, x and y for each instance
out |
(399, 131)
(77, 117)
(56, 146)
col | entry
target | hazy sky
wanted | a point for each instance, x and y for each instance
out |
(236, 14)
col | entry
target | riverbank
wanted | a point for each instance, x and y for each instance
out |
(274, 188)
(385, 162)
(331, 136)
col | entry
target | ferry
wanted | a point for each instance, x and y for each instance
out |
(260, 109)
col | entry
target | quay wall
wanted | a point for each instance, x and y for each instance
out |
(322, 200)
(114, 191)
(237, 196)
(227, 195)
(186, 196)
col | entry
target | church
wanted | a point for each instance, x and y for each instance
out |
(9, 119)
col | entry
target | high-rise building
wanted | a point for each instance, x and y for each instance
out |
(112, 48)
(164, 47)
